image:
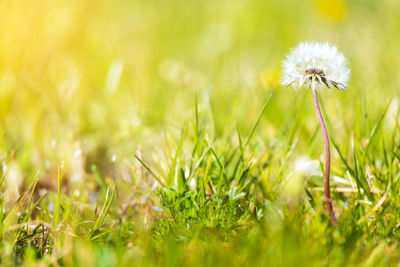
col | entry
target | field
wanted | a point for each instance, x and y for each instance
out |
(152, 132)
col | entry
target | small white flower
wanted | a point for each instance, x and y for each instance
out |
(313, 62)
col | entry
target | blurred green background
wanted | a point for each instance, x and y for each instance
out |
(87, 85)
(90, 82)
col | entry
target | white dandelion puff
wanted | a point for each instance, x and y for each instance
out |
(314, 62)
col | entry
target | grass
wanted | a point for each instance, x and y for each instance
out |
(156, 133)
(224, 200)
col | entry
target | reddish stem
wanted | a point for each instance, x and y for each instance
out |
(327, 159)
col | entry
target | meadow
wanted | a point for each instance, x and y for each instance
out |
(157, 133)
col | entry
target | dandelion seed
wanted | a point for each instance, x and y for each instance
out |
(192, 184)
(306, 166)
(77, 193)
(51, 206)
(76, 177)
(157, 208)
(42, 191)
(154, 186)
(315, 65)
(366, 202)
(77, 153)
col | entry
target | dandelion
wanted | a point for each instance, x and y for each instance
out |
(315, 65)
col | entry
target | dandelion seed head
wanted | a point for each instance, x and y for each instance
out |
(314, 62)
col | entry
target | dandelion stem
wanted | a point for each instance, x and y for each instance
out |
(327, 157)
